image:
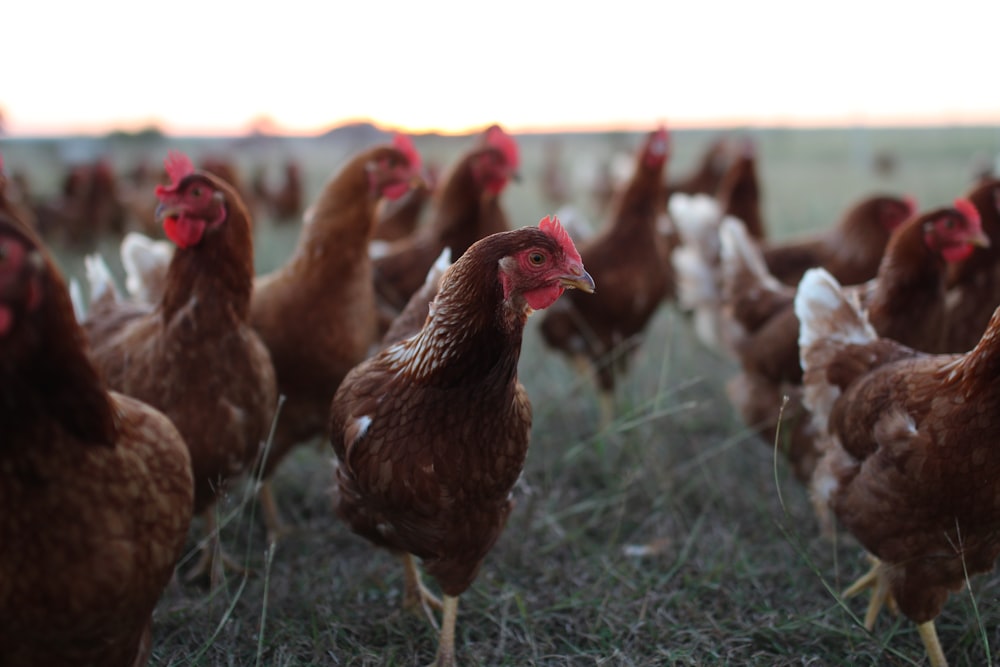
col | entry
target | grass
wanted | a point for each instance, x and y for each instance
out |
(739, 574)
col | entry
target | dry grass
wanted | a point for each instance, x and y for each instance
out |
(739, 575)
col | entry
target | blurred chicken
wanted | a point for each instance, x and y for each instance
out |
(316, 314)
(193, 354)
(466, 208)
(432, 432)
(974, 283)
(906, 302)
(630, 261)
(739, 194)
(96, 486)
(284, 203)
(909, 458)
(708, 172)
(850, 251)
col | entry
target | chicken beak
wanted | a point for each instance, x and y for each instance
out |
(581, 281)
(980, 240)
(164, 211)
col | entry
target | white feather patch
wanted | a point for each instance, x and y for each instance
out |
(99, 277)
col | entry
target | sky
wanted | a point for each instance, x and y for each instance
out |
(219, 66)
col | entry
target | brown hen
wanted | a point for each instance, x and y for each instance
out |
(629, 258)
(466, 208)
(910, 465)
(96, 487)
(432, 432)
(193, 355)
(906, 302)
(316, 314)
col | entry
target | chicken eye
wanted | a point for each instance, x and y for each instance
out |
(949, 223)
(536, 258)
(196, 191)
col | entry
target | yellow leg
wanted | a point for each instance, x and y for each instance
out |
(276, 527)
(875, 579)
(934, 651)
(212, 559)
(415, 594)
(446, 642)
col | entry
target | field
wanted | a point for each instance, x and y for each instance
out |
(739, 574)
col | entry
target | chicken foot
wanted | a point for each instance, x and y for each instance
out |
(213, 558)
(876, 578)
(415, 594)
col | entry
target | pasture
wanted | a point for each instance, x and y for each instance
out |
(737, 574)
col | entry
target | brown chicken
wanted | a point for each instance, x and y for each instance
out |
(850, 251)
(707, 174)
(194, 355)
(910, 465)
(316, 314)
(283, 203)
(630, 259)
(466, 208)
(96, 487)
(974, 283)
(432, 432)
(739, 190)
(906, 302)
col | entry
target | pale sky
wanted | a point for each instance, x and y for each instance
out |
(213, 66)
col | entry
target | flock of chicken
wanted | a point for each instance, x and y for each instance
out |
(124, 417)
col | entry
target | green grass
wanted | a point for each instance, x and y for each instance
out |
(741, 576)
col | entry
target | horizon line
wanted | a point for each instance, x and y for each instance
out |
(275, 129)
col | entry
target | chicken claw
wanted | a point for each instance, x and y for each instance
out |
(875, 579)
(415, 594)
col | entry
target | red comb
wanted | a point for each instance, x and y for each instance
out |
(554, 228)
(497, 138)
(404, 144)
(178, 165)
(966, 208)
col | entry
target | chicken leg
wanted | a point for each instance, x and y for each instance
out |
(415, 594)
(446, 642)
(213, 559)
(876, 578)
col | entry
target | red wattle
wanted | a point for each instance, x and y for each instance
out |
(394, 191)
(958, 252)
(185, 232)
(543, 297)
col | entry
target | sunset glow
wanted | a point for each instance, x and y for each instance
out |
(215, 68)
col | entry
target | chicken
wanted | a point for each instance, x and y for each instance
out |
(974, 283)
(326, 290)
(398, 219)
(466, 208)
(96, 486)
(850, 251)
(432, 432)
(193, 355)
(284, 204)
(707, 173)
(739, 190)
(630, 260)
(906, 301)
(910, 464)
